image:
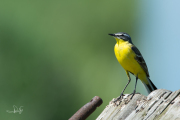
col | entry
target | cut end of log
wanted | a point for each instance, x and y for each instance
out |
(160, 104)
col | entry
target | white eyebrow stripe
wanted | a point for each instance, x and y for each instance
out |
(118, 34)
(126, 35)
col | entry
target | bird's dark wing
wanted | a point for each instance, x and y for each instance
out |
(139, 58)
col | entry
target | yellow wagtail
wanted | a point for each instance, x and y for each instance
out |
(132, 61)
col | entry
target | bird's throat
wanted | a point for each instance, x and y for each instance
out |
(120, 41)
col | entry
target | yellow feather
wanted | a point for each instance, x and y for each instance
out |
(126, 57)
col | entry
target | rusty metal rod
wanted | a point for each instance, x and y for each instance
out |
(87, 109)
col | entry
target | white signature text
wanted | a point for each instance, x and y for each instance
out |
(16, 110)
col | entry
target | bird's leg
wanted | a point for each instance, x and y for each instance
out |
(134, 92)
(129, 80)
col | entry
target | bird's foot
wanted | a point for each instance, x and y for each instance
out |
(134, 92)
(119, 98)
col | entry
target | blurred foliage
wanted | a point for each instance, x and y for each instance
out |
(56, 55)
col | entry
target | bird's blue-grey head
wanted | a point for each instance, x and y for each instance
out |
(122, 35)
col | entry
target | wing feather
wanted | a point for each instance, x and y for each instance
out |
(139, 58)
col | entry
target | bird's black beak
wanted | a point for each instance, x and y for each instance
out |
(111, 34)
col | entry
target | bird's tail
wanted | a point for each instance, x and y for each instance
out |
(150, 87)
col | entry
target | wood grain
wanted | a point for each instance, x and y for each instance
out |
(161, 104)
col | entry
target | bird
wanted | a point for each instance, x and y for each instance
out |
(132, 61)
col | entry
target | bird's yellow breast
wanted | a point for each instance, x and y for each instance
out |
(126, 57)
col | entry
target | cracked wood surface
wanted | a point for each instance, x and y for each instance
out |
(158, 105)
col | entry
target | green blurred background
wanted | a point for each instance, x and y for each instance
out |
(56, 55)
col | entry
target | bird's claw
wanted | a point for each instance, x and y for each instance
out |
(119, 98)
(134, 92)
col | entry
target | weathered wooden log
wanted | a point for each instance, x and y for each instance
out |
(159, 105)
